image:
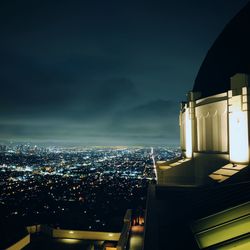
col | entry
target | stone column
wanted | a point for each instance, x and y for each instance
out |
(192, 97)
(238, 119)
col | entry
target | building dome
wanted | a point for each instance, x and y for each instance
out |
(230, 54)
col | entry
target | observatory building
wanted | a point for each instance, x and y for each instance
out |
(215, 119)
(215, 129)
(202, 199)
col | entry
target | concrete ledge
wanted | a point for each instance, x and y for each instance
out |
(20, 244)
(85, 235)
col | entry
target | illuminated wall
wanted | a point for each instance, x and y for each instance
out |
(189, 146)
(218, 123)
(86, 235)
(186, 133)
(74, 234)
(212, 129)
(182, 122)
(238, 129)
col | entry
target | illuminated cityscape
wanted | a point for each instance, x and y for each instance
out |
(84, 188)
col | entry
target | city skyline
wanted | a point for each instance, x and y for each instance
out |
(41, 182)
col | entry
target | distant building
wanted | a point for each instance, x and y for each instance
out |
(211, 181)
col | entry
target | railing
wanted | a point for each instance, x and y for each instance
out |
(74, 234)
(121, 238)
(20, 244)
(123, 241)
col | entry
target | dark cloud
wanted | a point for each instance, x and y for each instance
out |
(101, 99)
(115, 94)
(153, 122)
(157, 118)
(100, 71)
(154, 110)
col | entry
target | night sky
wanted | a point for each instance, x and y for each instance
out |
(102, 72)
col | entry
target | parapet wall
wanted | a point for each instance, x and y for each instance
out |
(20, 244)
(85, 235)
(178, 172)
(74, 234)
(120, 237)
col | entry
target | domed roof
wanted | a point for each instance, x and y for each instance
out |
(230, 54)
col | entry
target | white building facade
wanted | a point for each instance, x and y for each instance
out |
(217, 124)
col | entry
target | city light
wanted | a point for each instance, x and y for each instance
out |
(92, 183)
